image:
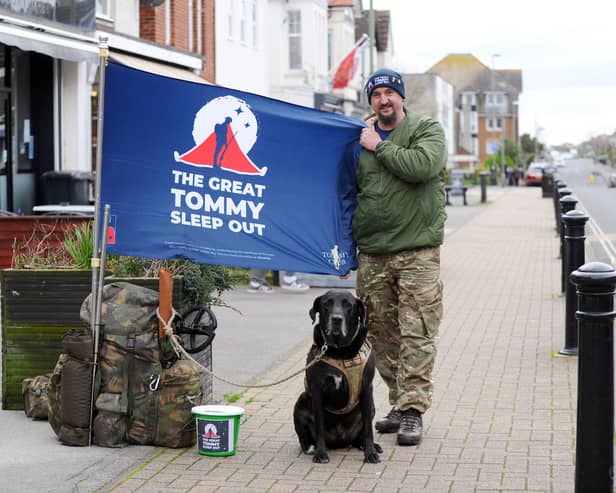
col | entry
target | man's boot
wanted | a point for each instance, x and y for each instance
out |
(411, 427)
(390, 423)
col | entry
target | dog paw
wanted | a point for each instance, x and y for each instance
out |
(372, 458)
(378, 448)
(320, 458)
(309, 450)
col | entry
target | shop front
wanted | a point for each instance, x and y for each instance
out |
(48, 60)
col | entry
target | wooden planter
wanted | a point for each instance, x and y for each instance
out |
(36, 308)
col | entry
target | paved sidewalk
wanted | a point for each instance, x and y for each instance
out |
(503, 417)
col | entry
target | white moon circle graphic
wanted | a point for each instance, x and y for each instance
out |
(243, 121)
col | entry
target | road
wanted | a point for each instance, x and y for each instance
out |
(588, 184)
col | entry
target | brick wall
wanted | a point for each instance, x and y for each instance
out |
(152, 28)
(152, 23)
(486, 135)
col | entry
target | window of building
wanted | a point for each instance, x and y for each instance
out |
(243, 20)
(295, 39)
(494, 123)
(495, 99)
(492, 146)
(255, 37)
(103, 9)
(469, 99)
(348, 15)
(229, 19)
(329, 50)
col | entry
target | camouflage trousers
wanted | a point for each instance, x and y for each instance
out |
(403, 295)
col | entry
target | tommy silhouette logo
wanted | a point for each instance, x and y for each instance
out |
(224, 130)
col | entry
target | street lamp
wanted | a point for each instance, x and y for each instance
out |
(493, 95)
(515, 119)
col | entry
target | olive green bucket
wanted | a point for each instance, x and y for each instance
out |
(217, 429)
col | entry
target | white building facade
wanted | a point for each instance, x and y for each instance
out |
(276, 48)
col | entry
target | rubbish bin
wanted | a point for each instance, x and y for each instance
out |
(493, 174)
(66, 187)
(547, 182)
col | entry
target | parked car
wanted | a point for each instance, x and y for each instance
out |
(534, 174)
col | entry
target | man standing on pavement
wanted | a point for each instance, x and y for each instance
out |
(398, 227)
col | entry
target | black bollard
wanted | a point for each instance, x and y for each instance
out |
(483, 176)
(594, 452)
(567, 203)
(558, 184)
(560, 193)
(575, 222)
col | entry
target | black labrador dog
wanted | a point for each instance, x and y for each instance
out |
(337, 408)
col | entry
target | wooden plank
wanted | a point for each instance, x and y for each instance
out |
(27, 351)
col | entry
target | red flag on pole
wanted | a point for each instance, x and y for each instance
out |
(346, 70)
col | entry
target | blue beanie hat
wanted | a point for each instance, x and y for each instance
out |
(385, 78)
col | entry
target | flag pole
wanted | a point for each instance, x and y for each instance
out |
(371, 29)
(103, 50)
(95, 260)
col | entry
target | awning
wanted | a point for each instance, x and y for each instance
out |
(53, 45)
(156, 67)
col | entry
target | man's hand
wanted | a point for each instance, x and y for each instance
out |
(369, 138)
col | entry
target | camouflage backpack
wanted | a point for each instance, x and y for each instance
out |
(34, 392)
(70, 389)
(140, 401)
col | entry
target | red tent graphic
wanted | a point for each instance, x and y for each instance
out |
(210, 431)
(231, 157)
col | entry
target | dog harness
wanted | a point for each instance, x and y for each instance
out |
(353, 371)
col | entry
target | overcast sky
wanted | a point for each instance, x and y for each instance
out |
(566, 50)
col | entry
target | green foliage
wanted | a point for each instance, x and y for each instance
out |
(496, 159)
(231, 398)
(530, 144)
(78, 243)
(203, 284)
(43, 250)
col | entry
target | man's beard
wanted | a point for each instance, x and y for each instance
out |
(388, 119)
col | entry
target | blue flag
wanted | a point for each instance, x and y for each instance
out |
(225, 177)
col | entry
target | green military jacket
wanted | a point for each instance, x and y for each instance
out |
(400, 189)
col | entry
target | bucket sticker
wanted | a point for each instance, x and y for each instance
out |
(215, 436)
